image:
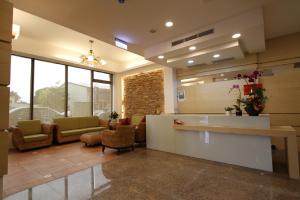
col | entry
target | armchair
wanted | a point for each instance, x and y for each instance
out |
(140, 133)
(121, 138)
(31, 134)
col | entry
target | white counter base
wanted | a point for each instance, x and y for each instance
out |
(243, 150)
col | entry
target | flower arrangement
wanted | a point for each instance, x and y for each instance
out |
(251, 78)
(255, 102)
(237, 106)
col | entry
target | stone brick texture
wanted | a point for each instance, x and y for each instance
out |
(144, 93)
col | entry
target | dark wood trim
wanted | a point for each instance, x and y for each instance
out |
(92, 93)
(31, 88)
(66, 90)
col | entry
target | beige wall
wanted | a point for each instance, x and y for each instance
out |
(283, 89)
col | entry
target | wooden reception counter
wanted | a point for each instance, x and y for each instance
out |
(244, 141)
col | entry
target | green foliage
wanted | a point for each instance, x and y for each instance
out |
(113, 115)
(53, 97)
(228, 109)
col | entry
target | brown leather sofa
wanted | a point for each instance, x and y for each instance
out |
(31, 134)
(121, 138)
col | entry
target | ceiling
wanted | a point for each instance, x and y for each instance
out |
(47, 39)
(132, 21)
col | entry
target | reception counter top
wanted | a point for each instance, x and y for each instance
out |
(243, 141)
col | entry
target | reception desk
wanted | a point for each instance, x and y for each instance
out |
(243, 141)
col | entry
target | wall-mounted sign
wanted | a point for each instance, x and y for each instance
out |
(180, 95)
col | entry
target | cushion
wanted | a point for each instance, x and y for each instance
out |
(68, 123)
(136, 119)
(144, 119)
(87, 122)
(35, 137)
(125, 121)
(93, 129)
(73, 132)
(30, 127)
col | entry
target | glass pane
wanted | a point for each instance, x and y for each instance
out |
(101, 76)
(49, 91)
(79, 92)
(102, 99)
(19, 107)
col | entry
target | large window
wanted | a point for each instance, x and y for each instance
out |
(79, 92)
(49, 91)
(45, 90)
(101, 99)
(19, 107)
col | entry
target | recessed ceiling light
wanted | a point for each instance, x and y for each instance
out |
(161, 57)
(216, 55)
(190, 61)
(192, 48)
(221, 74)
(236, 35)
(169, 24)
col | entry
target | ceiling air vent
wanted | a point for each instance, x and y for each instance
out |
(192, 37)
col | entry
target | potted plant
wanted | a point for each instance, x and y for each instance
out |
(251, 81)
(237, 107)
(228, 110)
(255, 102)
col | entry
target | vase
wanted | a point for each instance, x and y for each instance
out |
(252, 111)
(113, 124)
(238, 113)
(228, 113)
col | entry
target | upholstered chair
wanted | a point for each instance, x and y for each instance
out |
(31, 134)
(121, 138)
(140, 133)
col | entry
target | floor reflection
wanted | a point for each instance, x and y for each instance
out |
(78, 186)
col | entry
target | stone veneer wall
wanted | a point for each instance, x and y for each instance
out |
(144, 93)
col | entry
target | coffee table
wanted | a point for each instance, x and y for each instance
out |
(91, 139)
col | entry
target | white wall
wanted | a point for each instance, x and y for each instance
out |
(169, 87)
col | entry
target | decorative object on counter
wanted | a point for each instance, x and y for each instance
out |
(251, 81)
(113, 119)
(237, 107)
(254, 104)
(178, 122)
(228, 110)
(238, 110)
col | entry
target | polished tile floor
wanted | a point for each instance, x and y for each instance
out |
(147, 174)
(27, 169)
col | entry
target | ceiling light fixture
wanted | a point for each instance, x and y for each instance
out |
(236, 35)
(190, 61)
(192, 48)
(90, 59)
(16, 29)
(169, 24)
(216, 55)
(221, 75)
(121, 43)
(161, 57)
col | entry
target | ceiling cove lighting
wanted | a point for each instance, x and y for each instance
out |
(169, 24)
(190, 61)
(236, 35)
(90, 59)
(192, 48)
(188, 80)
(121, 44)
(16, 29)
(161, 57)
(216, 55)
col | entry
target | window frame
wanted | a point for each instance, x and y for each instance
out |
(32, 81)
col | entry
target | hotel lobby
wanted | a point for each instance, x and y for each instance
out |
(136, 99)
